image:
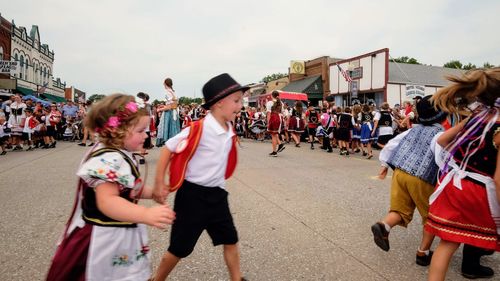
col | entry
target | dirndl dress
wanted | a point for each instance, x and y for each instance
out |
(464, 207)
(169, 126)
(366, 132)
(94, 247)
(275, 125)
(296, 125)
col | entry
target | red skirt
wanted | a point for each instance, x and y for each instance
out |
(296, 125)
(463, 216)
(275, 123)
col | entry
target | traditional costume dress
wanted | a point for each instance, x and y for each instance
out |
(275, 122)
(464, 207)
(366, 120)
(16, 118)
(296, 123)
(94, 246)
(169, 121)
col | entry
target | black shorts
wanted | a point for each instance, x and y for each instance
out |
(311, 131)
(384, 139)
(26, 136)
(51, 131)
(199, 208)
(3, 140)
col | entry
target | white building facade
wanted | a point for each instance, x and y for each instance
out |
(376, 79)
(36, 62)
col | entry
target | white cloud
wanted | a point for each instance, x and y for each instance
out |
(131, 46)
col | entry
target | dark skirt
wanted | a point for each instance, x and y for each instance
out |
(275, 123)
(296, 125)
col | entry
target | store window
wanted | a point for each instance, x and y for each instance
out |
(26, 65)
(16, 59)
(21, 66)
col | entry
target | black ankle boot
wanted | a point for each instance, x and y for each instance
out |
(471, 267)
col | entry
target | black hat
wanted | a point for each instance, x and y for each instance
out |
(220, 87)
(427, 113)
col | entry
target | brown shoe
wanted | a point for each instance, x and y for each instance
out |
(381, 236)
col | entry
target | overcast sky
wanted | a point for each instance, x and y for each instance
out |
(129, 46)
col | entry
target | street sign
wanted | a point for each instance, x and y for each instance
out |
(7, 66)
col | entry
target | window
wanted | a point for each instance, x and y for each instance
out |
(1, 53)
(26, 69)
(16, 59)
(21, 67)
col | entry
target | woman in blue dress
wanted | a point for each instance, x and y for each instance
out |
(169, 121)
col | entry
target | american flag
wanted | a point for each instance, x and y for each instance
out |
(42, 89)
(346, 75)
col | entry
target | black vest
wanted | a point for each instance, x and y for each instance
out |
(385, 119)
(366, 117)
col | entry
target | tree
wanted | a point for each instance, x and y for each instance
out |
(188, 100)
(469, 66)
(274, 76)
(95, 97)
(406, 59)
(488, 65)
(453, 64)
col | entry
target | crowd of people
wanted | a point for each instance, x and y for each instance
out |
(27, 124)
(443, 150)
(351, 129)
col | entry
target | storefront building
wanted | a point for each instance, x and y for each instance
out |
(34, 74)
(376, 79)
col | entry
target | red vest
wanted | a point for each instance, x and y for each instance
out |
(186, 150)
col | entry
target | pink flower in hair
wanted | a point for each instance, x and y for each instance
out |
(131, 106)
(113, 122)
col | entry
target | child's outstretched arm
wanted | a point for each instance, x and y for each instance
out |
(161, 190)
(112, 205)
(451, 133)
(496, 177)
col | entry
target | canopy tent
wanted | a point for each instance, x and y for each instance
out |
(35, 99)
(292, 96)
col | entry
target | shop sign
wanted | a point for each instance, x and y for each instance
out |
(7, 66)
(357, 73)
(415, 90)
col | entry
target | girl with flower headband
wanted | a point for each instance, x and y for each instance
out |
(106, 237)
(465, 207)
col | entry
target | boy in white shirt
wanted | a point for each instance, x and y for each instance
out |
(201, 157)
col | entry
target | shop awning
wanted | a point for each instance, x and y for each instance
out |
(25, 91)
(312, 86)
(53, 97)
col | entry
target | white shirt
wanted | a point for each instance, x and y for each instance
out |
(208, 165)
(269, 105)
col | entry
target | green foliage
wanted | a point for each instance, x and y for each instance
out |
(453, 64)
(95, 97)
(488, 65)
(188, 100)
(272, 77)
(469, 66)
(457, 64)
(406, 59)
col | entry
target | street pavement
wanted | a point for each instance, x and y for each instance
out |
(305, 215)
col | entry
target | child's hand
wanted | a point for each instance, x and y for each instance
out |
(383, 173)
(160, 193)
(159, 216)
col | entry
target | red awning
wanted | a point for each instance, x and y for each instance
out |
(292, 96)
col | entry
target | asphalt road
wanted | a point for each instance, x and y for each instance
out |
(305, 215)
